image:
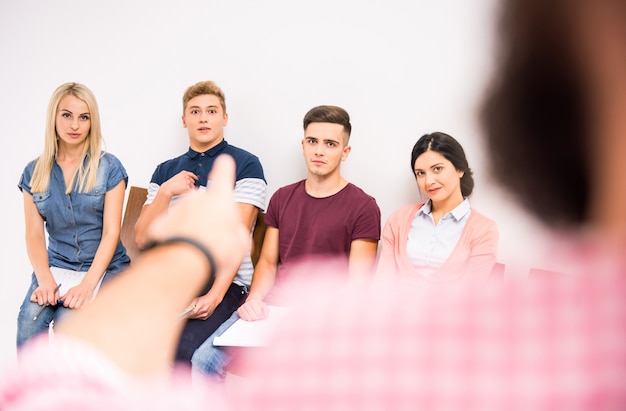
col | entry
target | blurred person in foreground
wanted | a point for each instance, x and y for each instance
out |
(555, 124)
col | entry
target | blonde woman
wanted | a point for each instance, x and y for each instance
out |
(73, 199)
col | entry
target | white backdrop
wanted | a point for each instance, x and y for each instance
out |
(400, 67)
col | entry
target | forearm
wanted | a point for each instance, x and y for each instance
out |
(155, 298)
(362, 260)
(38, 257)
(102, 259)
(35, 238)
(263, 281)
(220, 287)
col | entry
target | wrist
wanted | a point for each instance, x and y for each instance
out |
(254, 297)
(165, 193)
(193, 244)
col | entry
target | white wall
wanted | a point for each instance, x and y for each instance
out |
(400, 67)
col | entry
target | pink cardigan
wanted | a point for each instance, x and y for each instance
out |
(475, 252)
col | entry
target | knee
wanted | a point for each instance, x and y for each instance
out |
(209, 360)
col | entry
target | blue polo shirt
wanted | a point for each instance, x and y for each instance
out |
(250, 183)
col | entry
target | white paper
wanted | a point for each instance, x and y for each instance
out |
(69, 278)
(254, 333)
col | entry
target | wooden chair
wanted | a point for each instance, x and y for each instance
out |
(136, 199)
(258, 235)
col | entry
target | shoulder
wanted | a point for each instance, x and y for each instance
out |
(174, 160)
(239, 153)
(362, 204)
(357, 191)
(109, 158)
(405, 210)
(112, 166)
(27, 174)
(289, 188)
(288, 193)
(479, 221)
(479, 217)
(248, 165)
(30, 166)
(29, 169)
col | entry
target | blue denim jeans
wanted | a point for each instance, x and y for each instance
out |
(210, 360)
(27, 326)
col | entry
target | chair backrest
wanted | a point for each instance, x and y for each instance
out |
(258, 235)
(136, 198)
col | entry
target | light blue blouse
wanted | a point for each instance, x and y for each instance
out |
(430, 245)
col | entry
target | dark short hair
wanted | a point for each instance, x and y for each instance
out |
(328, 114)
(452, 150)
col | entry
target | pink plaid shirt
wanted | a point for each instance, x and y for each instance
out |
(557, 343)
(67, 374)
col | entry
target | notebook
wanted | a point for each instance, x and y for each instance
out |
(254, 333)
(70, 278)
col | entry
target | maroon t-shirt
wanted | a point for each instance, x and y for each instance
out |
(320, 227)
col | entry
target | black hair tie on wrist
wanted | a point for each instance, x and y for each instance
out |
(198, 246)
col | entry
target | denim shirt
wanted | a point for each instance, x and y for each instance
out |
(74, 221)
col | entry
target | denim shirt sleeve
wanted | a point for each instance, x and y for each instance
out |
(27, 174)
(115, 171)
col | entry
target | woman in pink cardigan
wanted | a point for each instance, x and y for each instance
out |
(443, 238)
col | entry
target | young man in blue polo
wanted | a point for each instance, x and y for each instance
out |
(205, 116)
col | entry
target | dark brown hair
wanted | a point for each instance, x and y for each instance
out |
(534, 114)
(452, 150)
(328, 114)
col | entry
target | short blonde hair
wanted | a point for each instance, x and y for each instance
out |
(202, 88)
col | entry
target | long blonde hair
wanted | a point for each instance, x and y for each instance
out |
(86, 175)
